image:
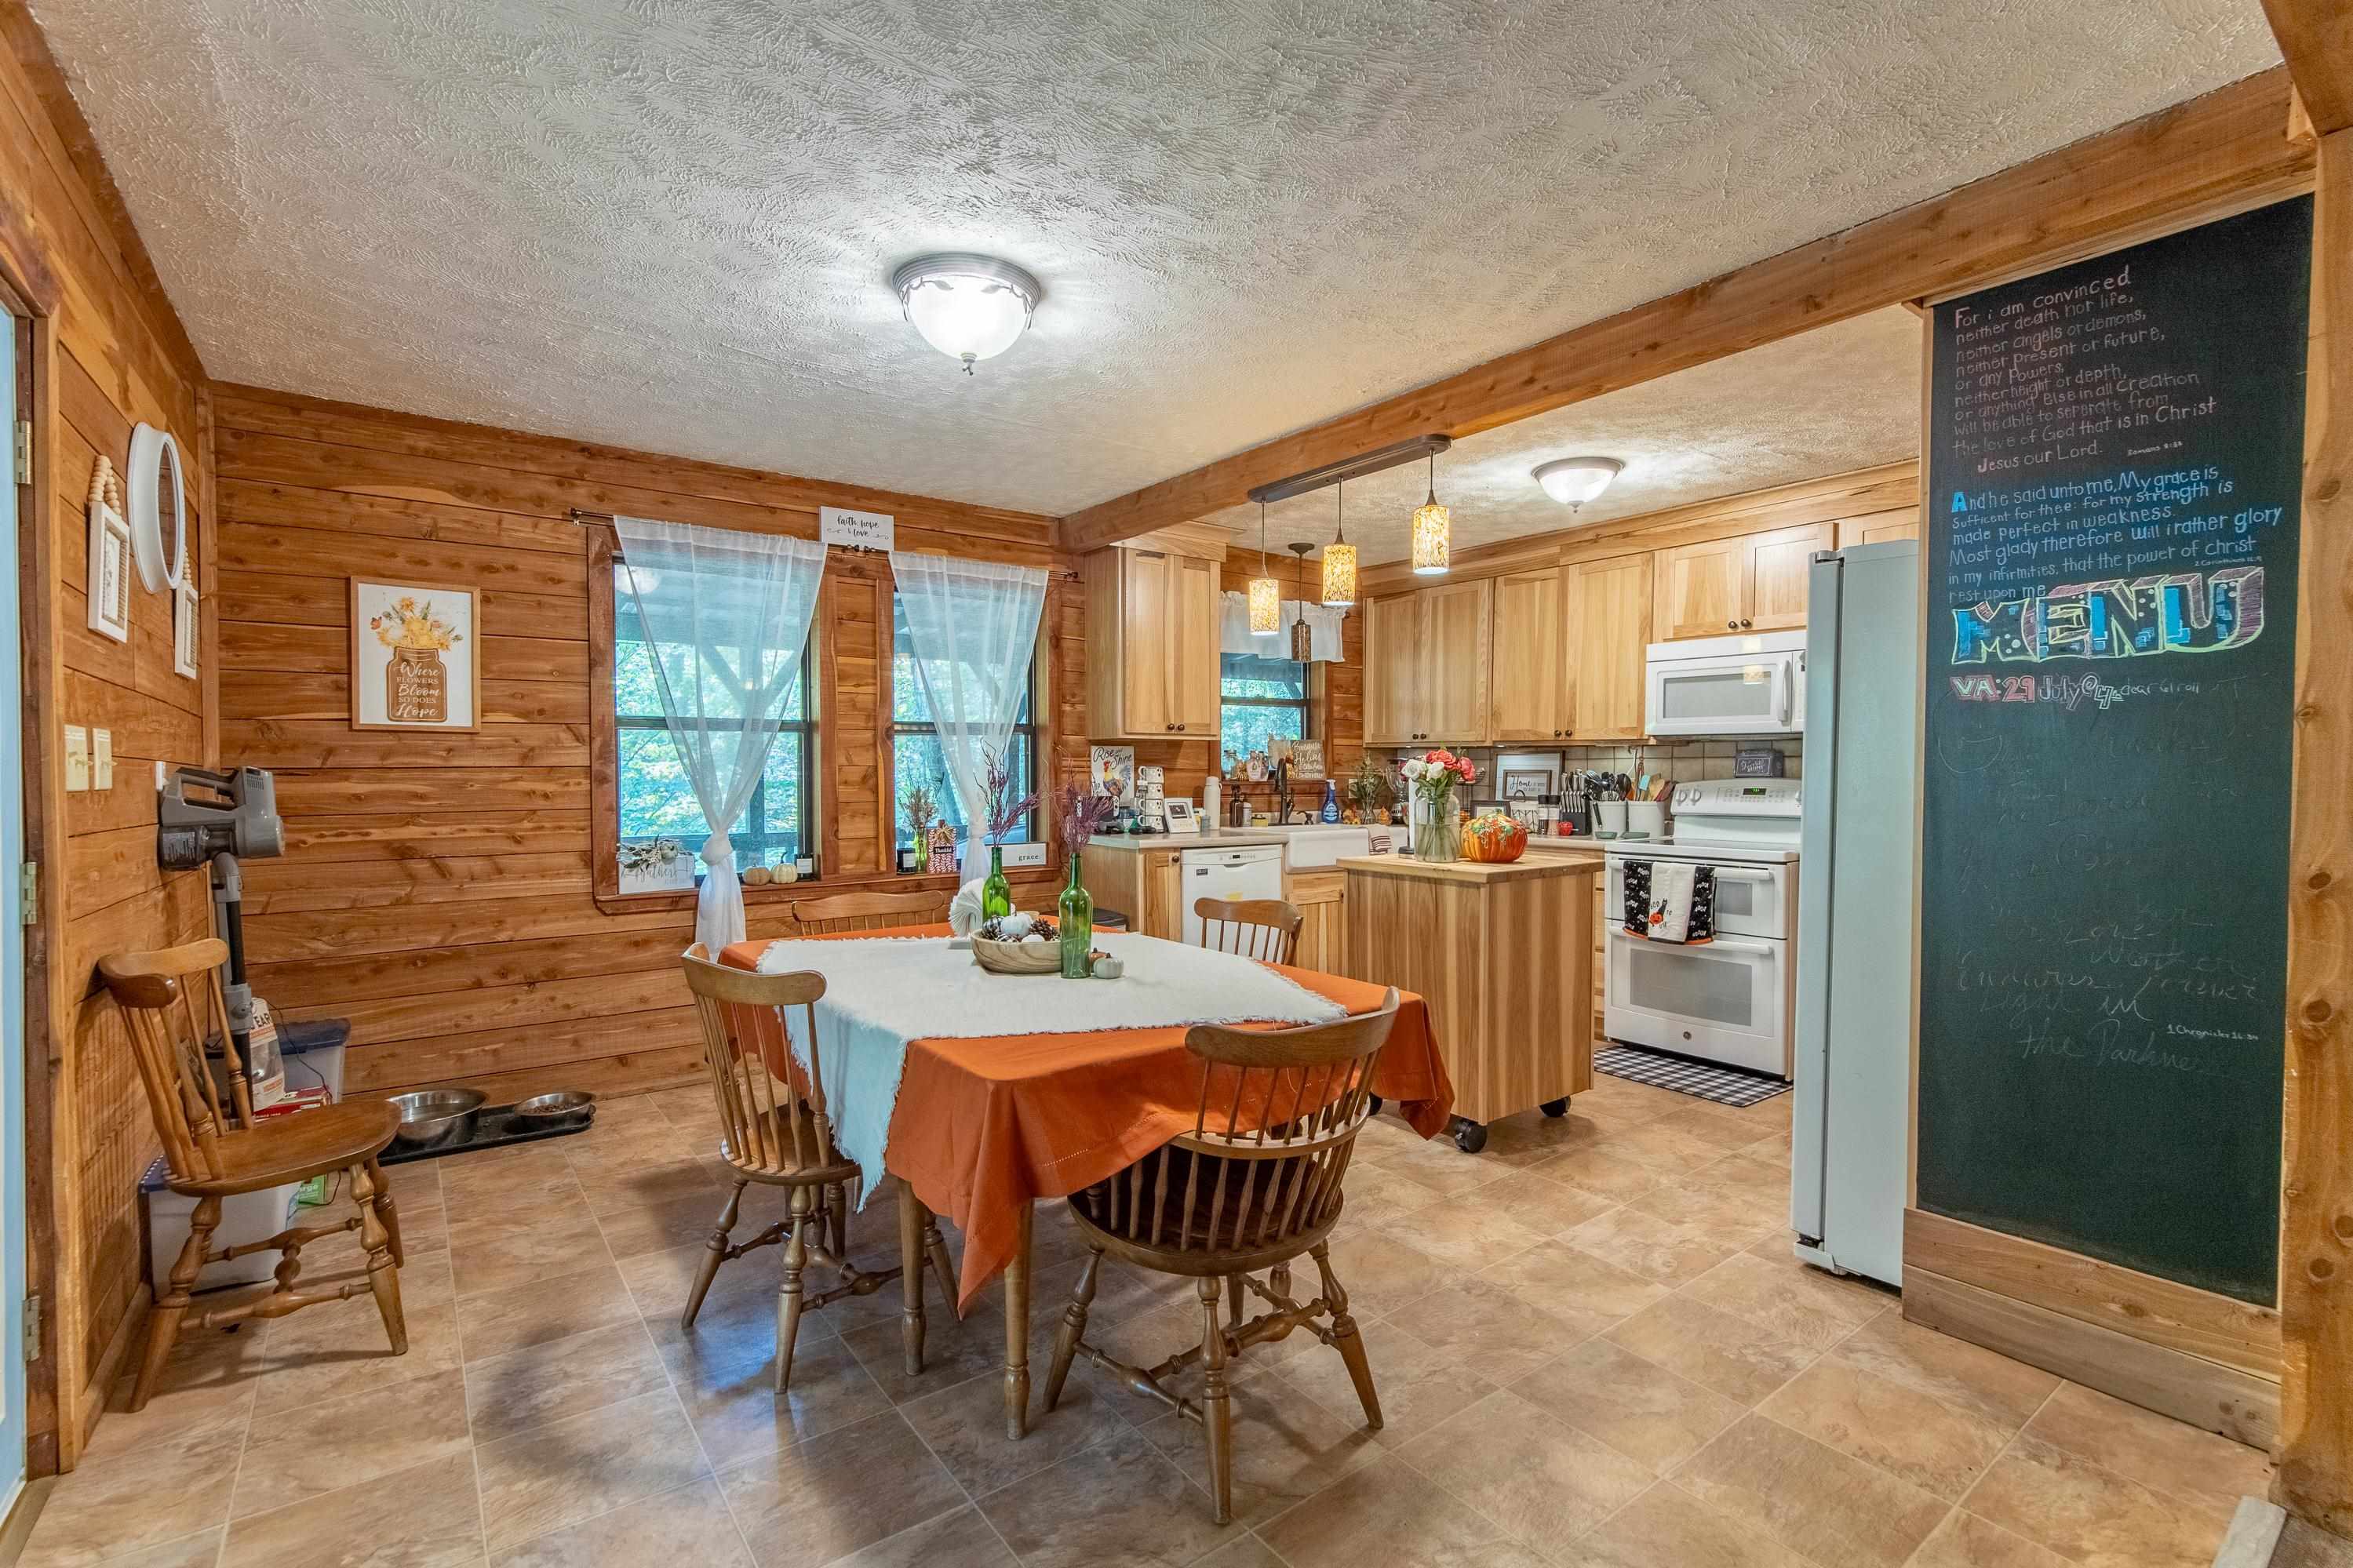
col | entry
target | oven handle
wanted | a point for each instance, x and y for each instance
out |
(1741, 874)
(1722, 943)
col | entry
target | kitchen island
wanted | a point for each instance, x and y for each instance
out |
(1502, 955)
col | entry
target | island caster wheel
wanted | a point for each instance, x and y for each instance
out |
(1469, 1135)
(1375, 1101)
(1555, 1106)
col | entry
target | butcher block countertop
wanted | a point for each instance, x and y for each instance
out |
(1473, 872)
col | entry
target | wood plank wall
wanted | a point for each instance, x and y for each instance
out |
(106, 350)
(437, 890)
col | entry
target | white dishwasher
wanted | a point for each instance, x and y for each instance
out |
(1254, 871)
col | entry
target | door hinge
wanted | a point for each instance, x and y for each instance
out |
(28, 893)
(24, 451)
(33, 1328)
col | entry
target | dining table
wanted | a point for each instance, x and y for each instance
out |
(984, 1128)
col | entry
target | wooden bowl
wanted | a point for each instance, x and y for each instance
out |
(1018, 958)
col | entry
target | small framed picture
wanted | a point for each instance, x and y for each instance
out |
(1528, 784)
(1306, 759)
(110, 557)
(1181, 817)
(187, 629)
(416, 657)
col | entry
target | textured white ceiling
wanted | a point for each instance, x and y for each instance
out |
(1831, 400)
(668, 223)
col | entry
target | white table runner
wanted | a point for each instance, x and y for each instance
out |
(883, 992)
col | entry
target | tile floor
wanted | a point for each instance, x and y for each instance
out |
(1592, 1345)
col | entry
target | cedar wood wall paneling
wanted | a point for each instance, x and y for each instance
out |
(109, 353)
(437, 889)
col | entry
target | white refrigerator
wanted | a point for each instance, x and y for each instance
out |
(1850, 1125)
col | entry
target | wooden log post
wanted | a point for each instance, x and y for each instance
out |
(2316, 1446)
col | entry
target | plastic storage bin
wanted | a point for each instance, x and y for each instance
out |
(247, 1216)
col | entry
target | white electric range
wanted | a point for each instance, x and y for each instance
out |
(1732, 1000)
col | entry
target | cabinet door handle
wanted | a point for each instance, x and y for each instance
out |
(1732, 625)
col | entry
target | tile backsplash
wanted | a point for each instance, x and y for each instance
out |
(1685, 762)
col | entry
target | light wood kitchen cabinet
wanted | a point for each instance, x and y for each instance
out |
(1748, 583)
(1527, 649)
(1154, 670)
(1427, 666)
(1606, 633)
(1701, 588)
(1879, 528)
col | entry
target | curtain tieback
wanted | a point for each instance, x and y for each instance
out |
(717, 851)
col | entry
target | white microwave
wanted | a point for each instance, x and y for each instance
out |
(1753, 684)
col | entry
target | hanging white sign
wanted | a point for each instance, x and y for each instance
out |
(856, 530)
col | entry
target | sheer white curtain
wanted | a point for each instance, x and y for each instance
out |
(726, 620)
(974, 624)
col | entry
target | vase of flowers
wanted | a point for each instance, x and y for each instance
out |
(1005, 806)
(1432, 778)
(1367, 790)
(1080, 816)
(920, 809)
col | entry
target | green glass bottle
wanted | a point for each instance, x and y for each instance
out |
(1077, 912)
(996, 893)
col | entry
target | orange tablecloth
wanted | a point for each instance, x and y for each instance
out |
(985, 1126)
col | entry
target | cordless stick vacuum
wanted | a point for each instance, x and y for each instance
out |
(204, 817)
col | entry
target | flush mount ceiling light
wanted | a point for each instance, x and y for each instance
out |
(1339, 556)
(1265, 594)
(1573, 481)
(1433, 532)
(968, 307)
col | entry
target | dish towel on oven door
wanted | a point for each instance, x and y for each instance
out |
(1670, 900)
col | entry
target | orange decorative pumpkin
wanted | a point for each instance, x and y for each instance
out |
(1495, 838)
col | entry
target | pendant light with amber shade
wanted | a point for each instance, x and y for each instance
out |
(1433, 532)
(1339, 556)
(1265, 593)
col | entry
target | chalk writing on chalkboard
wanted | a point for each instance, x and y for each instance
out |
(2115, 454)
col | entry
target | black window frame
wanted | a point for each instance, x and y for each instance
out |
(1304, 702)
(1025, 727)
(750, 836)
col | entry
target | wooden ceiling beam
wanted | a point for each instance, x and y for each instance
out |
(2317, 37)
(2220, 152)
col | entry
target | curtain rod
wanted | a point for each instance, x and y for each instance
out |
(582, 514)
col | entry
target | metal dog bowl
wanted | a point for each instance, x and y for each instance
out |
(555, 1106)
(434, 1116)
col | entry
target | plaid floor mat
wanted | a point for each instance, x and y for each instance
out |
(1709, 1081)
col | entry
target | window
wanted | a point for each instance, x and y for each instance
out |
(1259, 697)
(915, 755)
(656, 799)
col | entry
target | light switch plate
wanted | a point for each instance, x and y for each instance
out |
(77, 758)
(102, 759)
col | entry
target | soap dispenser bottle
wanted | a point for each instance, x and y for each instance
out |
(1330, 800)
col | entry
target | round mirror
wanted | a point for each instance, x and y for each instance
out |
(156, 496)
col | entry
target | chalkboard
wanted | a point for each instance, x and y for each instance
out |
(2113, 468)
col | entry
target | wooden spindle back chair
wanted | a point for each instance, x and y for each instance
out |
(775, 1128)
(1266, 929)
(175, 1012)
(1253, 1183)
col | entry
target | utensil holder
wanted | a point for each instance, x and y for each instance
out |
(1610, 818)
(1645, 818)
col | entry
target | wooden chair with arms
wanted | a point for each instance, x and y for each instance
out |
(1256, 1183)
(1264, 929)
(779, 1133)
(172, 1007)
